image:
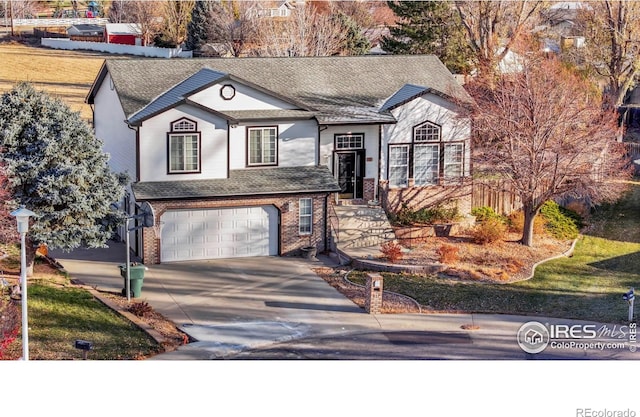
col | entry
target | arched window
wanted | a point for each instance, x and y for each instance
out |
(427, 159)
(184, 147)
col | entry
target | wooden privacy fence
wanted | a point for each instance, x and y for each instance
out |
(633, 153)
(495, 195)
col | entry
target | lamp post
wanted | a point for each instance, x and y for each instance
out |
(22, 217)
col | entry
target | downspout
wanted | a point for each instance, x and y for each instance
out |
(93, 117)
(326, 222)
(228, 148)
(376, 188)
(321, 128)
(137, 130)
(318, 147)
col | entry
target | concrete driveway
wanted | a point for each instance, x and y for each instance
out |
(278, 308)
(233, 305)
(230, 305)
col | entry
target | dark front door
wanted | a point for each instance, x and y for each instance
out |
(349, 168)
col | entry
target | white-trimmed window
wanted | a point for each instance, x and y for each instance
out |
(453, 158)
(262, 146)
(426, 163)
(427, 159)
(305, 214)
(426, 132)
(349, 141)
(184, 147)
(183, 125)
(398, 165)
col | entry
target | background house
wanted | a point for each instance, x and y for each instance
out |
(86, 32)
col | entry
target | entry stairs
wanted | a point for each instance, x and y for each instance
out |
(361, 230)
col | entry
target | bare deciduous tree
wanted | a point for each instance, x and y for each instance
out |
(24, 9)
(613, 44)
(492, 27)
(233, 23)
(118, 11)
(545, 132)
(176, 16)
(147, 14)
(305, 33)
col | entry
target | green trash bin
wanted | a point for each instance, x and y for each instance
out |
(136, 277)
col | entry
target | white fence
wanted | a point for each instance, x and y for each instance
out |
(113, 48)
(47, 23)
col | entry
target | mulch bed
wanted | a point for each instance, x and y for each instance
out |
(500, 262)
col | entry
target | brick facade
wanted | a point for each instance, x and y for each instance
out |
(369, 189)
(290, 241)
(450, 195)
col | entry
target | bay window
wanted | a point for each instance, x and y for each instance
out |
(427, 159)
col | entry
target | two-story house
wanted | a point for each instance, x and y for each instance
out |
(244, 157)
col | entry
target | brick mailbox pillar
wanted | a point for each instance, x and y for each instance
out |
(373, 296)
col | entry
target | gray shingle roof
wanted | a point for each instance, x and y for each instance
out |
(406, 93)
(243, 182)
(255, 115)
(338, 87)
(177, 93)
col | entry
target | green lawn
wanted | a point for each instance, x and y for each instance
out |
(587, 286)
(60, 314)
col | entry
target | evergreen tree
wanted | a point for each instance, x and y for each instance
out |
(197, 27)
(429, 27)
(355, 43)
(57, 169)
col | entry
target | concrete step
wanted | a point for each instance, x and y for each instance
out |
(363, 227)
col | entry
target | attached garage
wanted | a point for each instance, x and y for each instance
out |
(253, 212)
(219, 233)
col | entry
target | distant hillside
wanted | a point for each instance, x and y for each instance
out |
(66, 74)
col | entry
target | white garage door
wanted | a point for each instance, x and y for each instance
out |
(219, 233)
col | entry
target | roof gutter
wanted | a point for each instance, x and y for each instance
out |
(199, 197)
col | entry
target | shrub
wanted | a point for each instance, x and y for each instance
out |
(404, 216)
(9, 324)
(489, 231)
(437, 214)
(448, 254)
(561, 223)
(141, 309)
(391, 251)
(483, 213)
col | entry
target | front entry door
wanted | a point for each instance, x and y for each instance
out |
(349, 168)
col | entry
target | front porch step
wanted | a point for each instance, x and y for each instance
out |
(363, 239)
(362, 226)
